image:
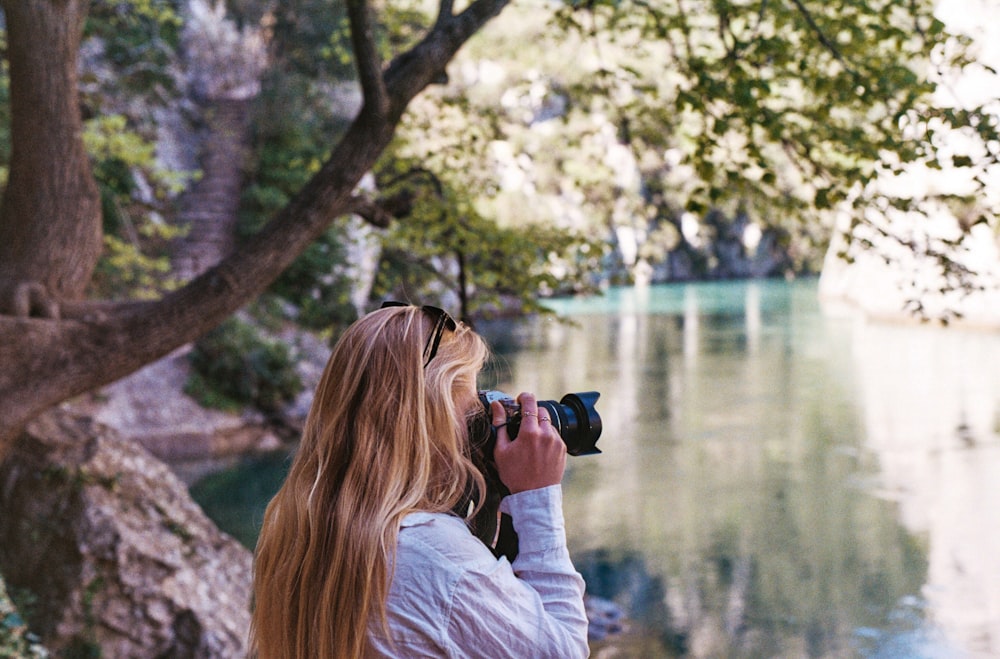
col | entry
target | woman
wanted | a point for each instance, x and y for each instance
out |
(360, 553)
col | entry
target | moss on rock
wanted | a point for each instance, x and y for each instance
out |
(15, 639)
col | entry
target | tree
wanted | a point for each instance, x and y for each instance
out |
(446, 245)
(53, 343)
(790, 107)
(629, 117)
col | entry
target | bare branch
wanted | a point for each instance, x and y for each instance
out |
(445, 11)
(367, 59)
(371, 211)
(409, 73)
(821, 35)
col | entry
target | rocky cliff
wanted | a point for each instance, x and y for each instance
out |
(117, 557)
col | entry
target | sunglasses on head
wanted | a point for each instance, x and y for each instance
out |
(442, 321)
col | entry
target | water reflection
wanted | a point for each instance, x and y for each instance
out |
(930, 409)
(794, 485)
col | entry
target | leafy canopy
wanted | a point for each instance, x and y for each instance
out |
(787, 110)
(792, 111)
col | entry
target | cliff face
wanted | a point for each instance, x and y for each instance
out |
(116, 555)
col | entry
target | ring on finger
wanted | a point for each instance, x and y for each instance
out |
(535, 414)
(544, 419)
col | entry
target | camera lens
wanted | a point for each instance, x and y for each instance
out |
(579, 424)
(574, 417)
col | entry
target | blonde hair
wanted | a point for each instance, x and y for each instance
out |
(385, 436)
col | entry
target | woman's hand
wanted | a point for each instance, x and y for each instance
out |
(537, 457)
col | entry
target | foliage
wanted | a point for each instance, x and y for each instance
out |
(785, 112)
(757, 95)
(132, 184)
(307, 98)
(308, 37)
(446, 245)
(16, 641)
(235, 366)
(292, 128)
(789, 113)
(545, 154)
(311, 38)
(792, 109)
(288, 148)
(137, 40)
(316, 284)
(129, 74)
(628, 113)
(304, 104)
(496, 253)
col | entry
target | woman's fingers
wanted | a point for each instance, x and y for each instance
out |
(499, 420)
(537, 457)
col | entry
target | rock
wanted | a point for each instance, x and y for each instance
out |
(606, 618)
(116, 554)
(150, 407)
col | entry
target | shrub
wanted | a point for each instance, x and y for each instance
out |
(235, 366)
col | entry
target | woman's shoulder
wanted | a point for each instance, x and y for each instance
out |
(441, 540)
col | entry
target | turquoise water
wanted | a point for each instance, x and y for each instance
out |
(775, 482)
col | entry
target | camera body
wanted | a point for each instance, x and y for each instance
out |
(574, 418)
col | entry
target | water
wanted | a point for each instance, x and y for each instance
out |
(775, 482)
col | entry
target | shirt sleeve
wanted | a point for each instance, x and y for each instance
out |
(533, 608)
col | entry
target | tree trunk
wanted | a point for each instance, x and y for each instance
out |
(43, 362)
(50, 216)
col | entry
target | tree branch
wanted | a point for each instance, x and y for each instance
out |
(821, 35)
(445, 11)
(367, 59)
(411, 72)
(415, 173)
(374, 212)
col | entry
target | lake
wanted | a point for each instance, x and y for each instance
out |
(775, 481)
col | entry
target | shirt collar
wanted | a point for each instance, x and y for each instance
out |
(418, 518)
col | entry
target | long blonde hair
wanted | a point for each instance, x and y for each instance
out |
(385, 436)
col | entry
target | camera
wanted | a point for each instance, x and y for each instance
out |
(579, 426)
(574, 417)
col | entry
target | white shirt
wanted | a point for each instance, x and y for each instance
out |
(450, 597)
